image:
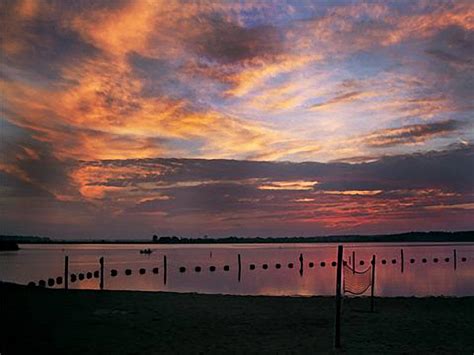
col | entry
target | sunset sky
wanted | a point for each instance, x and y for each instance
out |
(128, 118)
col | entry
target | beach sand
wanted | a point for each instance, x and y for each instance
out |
(46, 321)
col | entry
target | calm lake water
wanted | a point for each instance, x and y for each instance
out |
(427, 269)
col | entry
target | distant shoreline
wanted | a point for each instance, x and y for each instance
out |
(8, 246)
(411, 237)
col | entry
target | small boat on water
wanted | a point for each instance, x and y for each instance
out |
(146, 251)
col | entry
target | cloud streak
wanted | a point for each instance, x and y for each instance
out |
(412, 134)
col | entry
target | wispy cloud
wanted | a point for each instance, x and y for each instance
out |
(411, 134)
(347, 97)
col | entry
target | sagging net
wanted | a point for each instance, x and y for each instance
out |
(357, 282)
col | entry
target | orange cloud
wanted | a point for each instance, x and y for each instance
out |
(299, 185)
(354, 192)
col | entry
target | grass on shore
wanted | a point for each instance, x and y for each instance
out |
(42, 321)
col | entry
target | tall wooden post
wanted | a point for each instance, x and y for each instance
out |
(240, 266)
(402, 260)
(372, 288)
(455, 259)
(165, 269)
(337, 335)
(301, 264)
(101, 262)
(353, 261)
(66, 272)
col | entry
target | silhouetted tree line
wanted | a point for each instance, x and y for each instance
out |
(23, 238)
(467, 236)
(402, 237)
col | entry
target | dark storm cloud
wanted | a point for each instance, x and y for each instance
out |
(411, 133)
(423, 179)
(25, 161)
(44, 45)
(448, 57)
(448, 170)
(216, 198)
(16, 188)
(452, 51)
(453, 45)
(226, 42)
(160, 77)
(55, 176)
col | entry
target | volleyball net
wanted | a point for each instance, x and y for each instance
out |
(357, 282)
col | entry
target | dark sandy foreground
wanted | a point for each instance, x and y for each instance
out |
(111, 322)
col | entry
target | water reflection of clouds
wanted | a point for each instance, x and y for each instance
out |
(418, 279)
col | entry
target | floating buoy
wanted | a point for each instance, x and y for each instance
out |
(42, 283)
(128, 272)
(264, 266)
(212, 268)
(226, 267)
(446, 260)
(290, 265)
(31, 284)
(59, 280)
(311, 265)
(334, 264)
(50, 282)
(362, 262)
(424, 260)
(278, 265)
(73, 278)
(394, 261)
(412, 261)
(96, 274)
(252, 266)
(384, 261)
(89, 275)
(113, 272)
(197, 269)
(463, 259)
(81, 276)
(182, 269)
(323, 264)
(142, 271)
(435, 260)
(155, 270)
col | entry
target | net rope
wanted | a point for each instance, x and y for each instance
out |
(357, 282)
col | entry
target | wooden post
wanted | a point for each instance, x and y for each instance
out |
(165, 269)
(455, 259)
(240, 266)
(402, 260)
(372, 288)
(353, 262)
(337, 335)
(66, 272)
(101, 262)
(301, 264)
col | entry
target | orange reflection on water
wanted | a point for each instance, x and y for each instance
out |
(266, 269)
